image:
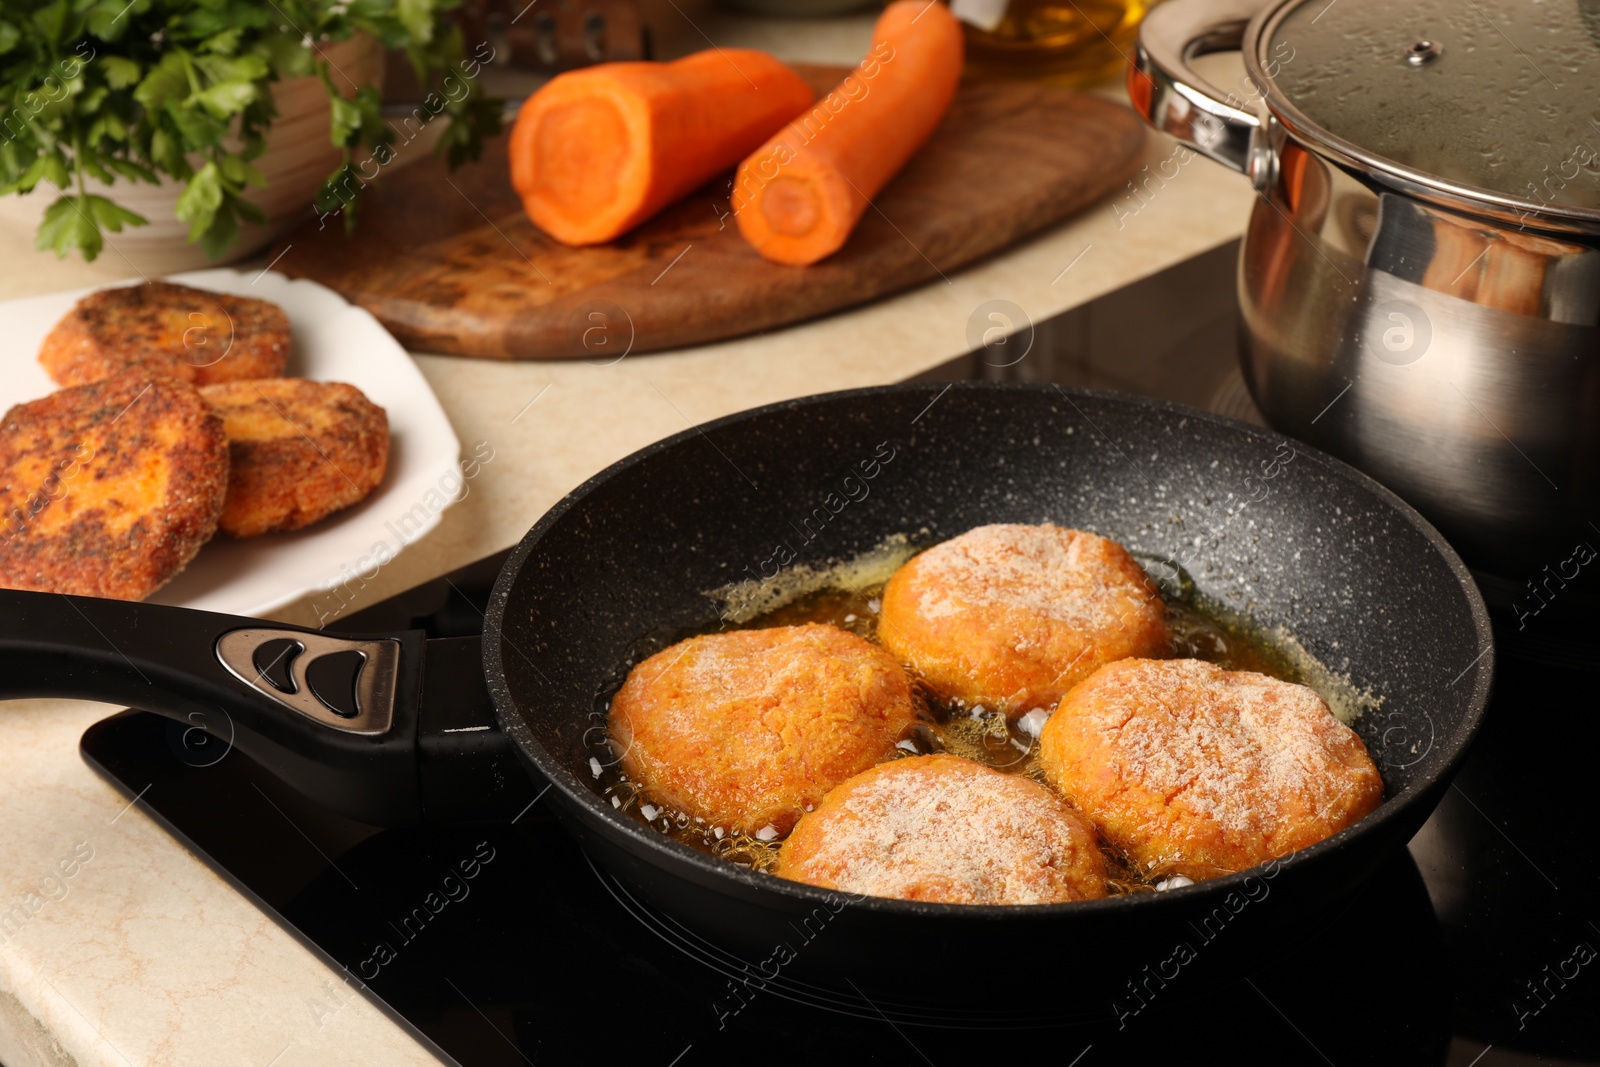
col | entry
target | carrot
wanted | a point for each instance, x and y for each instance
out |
(595, 152)
(797, 197)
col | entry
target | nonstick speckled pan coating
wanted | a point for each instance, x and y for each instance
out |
(1265, 525)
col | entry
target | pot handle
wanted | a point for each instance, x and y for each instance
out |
(1176, 100)
(336, 717)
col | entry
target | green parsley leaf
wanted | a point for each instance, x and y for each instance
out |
(67, 226)
(200, 199)
(112, 217)
(120, 71)
(166, 81)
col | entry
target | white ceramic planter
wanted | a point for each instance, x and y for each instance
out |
(298, 157)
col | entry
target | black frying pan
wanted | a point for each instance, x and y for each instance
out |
(1263, 525)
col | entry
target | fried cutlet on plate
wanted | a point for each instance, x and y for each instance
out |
(300, 451)
(109, 489)
(167, 329)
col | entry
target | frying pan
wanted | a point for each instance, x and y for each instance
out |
(395, 729)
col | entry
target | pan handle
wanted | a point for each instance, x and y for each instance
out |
(334, 716)
(468, 767)
(1174, 99)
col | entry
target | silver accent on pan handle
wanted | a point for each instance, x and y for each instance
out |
(359, 695)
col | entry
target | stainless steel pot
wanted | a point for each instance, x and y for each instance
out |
(1420, 280)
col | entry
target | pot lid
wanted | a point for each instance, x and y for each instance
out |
(1496, 102)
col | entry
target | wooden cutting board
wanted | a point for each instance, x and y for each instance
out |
(449, 262)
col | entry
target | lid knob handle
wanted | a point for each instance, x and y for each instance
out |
(1424, 52)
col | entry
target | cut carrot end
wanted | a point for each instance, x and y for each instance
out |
(791, 206)
(579, 190)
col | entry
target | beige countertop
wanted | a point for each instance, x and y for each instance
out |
(141, 955)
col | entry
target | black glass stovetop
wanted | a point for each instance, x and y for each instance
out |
(502, 944)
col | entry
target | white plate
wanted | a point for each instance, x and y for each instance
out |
(334, 341)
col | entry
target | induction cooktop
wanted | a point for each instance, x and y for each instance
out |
(502, 943)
